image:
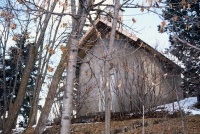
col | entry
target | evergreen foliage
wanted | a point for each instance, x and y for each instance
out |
(184, 27)
(14, 68)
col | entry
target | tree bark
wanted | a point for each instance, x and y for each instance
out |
(51, 94)
(40, 80)
(34, 102)
(76, 32)
(57, 76)
(108, 100)
(108, 68)
(68, 95)
(15, 108)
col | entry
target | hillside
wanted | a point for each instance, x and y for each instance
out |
(167, 121)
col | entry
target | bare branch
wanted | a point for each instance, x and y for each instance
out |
(184, 42)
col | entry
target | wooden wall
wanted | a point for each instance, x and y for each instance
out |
(137, 78)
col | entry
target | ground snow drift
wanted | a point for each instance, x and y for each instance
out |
(187, 105)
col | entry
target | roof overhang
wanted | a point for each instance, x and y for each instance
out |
(91, 36)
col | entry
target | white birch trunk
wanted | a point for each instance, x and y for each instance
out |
(68, 95)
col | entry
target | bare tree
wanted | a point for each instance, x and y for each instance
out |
(11, 23)
(14, 108)
(83, 11)
(43, 67)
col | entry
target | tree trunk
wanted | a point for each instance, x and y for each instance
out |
(40, 80)
(109, 67)
(15, 108)
(51, 94)
(76, 32)
(34, 107)
(108, 100)
(68, 95)
(34, 102)
(33, 112)
(56, 78)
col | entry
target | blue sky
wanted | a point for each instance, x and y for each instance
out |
(146, 27)
(146, 24)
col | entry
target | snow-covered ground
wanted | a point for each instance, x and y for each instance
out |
(187, 105)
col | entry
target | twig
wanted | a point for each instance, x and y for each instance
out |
(185, 42)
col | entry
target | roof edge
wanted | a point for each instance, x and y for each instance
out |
(126, 34)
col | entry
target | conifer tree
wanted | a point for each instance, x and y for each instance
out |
(14, 68)
(184, 27)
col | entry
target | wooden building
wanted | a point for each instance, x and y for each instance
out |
(140, 75)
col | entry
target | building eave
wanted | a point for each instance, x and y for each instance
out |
(88, 40)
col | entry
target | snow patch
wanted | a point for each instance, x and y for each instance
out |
(187, 105)
(20, 118)
(18, 130)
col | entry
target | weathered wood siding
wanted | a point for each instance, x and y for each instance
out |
(138, 78)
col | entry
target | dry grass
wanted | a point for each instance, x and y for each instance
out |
(134, 126)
